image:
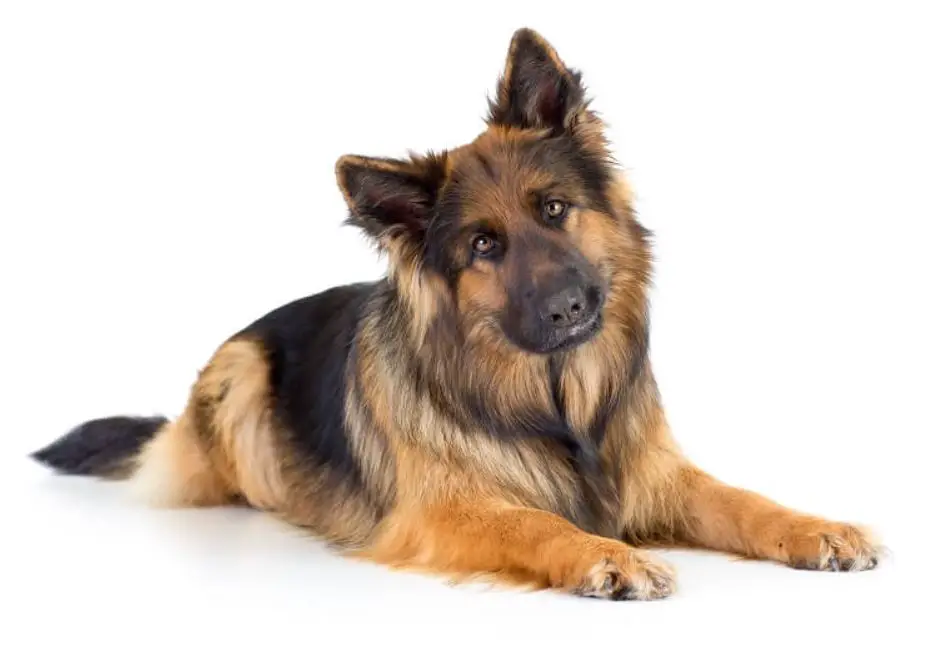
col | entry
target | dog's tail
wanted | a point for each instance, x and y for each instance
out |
(105, 448)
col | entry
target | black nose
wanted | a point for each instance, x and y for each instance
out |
(566, 307)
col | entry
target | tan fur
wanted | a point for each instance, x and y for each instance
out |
(243, 436)
(172, 471)
(226, 447)
(420, 290)
(518, 546)
(420, 436)
(481, 291)
(740, 521)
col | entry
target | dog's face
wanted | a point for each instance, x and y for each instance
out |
(518, 224)
(511, 237)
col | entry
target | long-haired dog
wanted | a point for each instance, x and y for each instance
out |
(487, 409)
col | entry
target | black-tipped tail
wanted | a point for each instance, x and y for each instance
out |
(102, 447)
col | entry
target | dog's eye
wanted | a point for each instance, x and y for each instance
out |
(483, 245)
(555, 210)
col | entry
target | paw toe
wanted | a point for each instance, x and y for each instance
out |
(843, 548)
(603, 581)
(640, 579)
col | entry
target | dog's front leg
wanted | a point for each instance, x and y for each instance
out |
(720, 517)
(520, 545)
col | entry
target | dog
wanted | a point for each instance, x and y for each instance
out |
(488, 408)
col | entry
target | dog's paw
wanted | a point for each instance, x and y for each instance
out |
(831, 546)
(635, 576)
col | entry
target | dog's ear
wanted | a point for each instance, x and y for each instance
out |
(391, 197)
(536, 90)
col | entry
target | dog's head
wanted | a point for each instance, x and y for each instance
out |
(524, 228)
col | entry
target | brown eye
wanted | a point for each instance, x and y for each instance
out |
(483, 245)
(555, 209)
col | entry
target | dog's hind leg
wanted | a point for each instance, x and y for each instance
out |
(226, 447)
(173, 470)
(163, 461)
(223, 447)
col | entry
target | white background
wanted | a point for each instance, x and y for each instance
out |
(166, 176)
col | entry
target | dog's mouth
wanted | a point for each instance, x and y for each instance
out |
(576, 335)
(565, 339)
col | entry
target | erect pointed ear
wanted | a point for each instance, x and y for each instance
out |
(537, 90)
(389, 197)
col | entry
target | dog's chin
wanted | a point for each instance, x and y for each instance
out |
(568, 339)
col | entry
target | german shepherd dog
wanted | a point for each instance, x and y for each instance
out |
(488, 409)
